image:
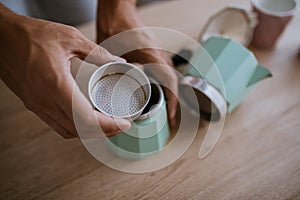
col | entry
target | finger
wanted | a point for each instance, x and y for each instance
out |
(167, 77)
(75, 106)
(168, 59)
(169, 80)
(113, 134)
(91, 52)
(172, 98)
(138, 65)
(172, 105)
(112, 126)
(75, 103)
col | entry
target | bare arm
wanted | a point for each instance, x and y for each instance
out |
(35, 64)
(115, 16)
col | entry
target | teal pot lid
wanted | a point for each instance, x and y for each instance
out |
(230, 22)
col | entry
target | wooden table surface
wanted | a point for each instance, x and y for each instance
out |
(257, 156)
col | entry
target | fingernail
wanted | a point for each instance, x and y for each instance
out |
(123, 124)
(113, 134)
(119, 59)
(172, 114)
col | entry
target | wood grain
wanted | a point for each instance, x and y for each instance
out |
(257, 156)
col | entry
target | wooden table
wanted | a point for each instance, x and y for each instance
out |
(257, 156)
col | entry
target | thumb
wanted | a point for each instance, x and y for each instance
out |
(91, 52)
(89, 121)
(112, 126)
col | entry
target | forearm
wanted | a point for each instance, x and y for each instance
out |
(5, 15)
(8, 35)
(115, 16)
(7, 19)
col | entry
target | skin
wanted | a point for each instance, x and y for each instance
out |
(115, 16)
(35, 65)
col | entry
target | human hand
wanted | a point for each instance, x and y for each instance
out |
(115, 16)
(35, 65)
(159, 67)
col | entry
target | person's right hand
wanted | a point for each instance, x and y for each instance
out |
(35, 64)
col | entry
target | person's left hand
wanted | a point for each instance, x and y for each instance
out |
(115, 16)
(162, 71)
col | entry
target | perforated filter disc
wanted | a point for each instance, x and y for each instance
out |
(119, 95)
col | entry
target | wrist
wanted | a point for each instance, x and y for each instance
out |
(115, 16)
(6, 17)
(7, 29)
(12, 38)
(10, 24)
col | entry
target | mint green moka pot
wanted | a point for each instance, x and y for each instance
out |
(235, 66)
(148, 134)
(229, 69)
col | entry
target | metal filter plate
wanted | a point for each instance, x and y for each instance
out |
(118, 95)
